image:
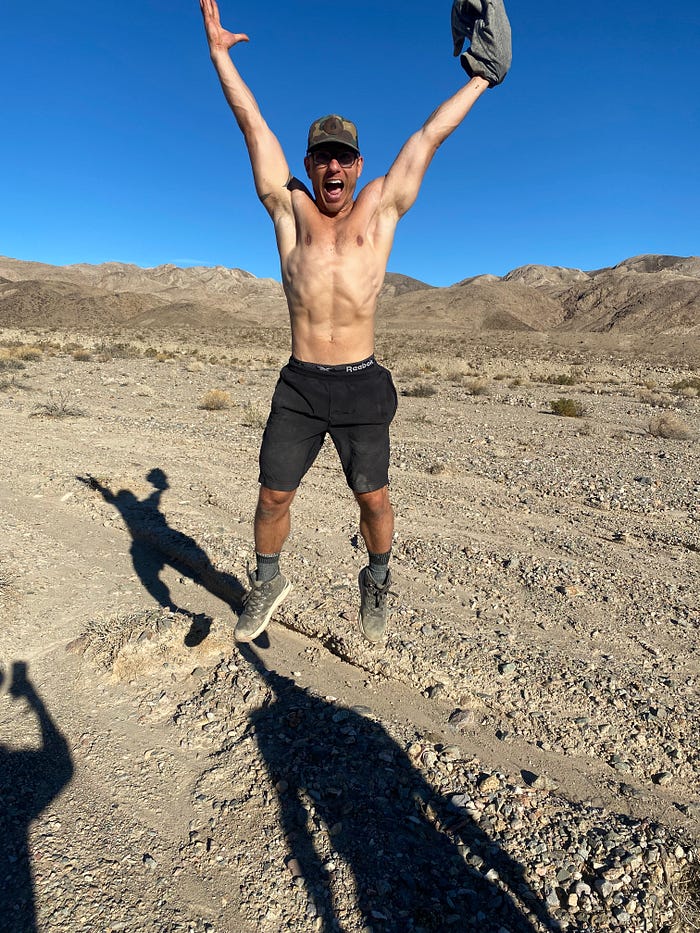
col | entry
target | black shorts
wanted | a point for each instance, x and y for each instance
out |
(354, 403)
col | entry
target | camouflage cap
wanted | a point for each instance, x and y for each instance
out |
(333, 129)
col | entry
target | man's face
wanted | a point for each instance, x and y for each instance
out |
(333, 170)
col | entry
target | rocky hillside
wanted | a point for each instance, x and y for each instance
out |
(644, 295)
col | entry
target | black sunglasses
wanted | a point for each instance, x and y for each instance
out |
(345, 158)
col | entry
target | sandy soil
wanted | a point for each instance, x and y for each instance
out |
(545, 622)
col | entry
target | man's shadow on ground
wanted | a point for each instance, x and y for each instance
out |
(29, 780)
(155, 545)
(406, 845)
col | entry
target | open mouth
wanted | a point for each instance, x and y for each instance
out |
(333, 188)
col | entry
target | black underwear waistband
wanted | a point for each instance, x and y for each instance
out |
(349, 369)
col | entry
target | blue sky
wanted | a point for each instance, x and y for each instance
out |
(117, 144)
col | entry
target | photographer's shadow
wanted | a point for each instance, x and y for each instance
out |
(30, 780)
(408, 848)
(155, 545)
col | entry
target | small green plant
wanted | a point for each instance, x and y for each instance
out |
(671, 427)
(216, 400)
(567, 408)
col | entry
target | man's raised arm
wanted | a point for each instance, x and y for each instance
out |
(270, 168)
(403, 180)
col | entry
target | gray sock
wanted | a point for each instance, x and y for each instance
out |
(268, 567)
(379, 566)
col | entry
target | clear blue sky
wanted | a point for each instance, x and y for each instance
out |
(116, 142)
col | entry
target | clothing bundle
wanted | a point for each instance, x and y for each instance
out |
(485, 24)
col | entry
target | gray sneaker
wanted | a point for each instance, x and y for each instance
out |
(260, 603)
(373, 609)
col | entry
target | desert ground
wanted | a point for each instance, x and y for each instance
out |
(523, 752)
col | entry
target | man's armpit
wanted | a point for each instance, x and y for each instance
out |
(291, 184)
(286, 185)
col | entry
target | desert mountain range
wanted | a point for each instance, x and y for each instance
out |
(644, 295)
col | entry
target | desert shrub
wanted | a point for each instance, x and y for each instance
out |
(28, 354)
(10, 363)
(420, 390)
(12, 382)
(562, 379)
(514, 383)
(116, 351)
(151, 352)
(567, 408)
(58, 405)
(656, 399)
(254, 416)
(684, 384)
(81, 355)
(478, 386)
(669, 426)
(216, 400)
(194, 367)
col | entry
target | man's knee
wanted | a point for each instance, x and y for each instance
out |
(273, 503)
(374, 505)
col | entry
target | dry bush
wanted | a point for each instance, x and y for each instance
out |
(655, 399)
(28, 354)
(116, 351)
(194, 367)
(10, 363)
(216, 400)
(81, 355)
(671, 427)
(254, 416)
(12, 382)
(420, 390)
(683, 384)
(58, 405)
(562, 379)
(567, 408)
(685, 893)
(478, 386)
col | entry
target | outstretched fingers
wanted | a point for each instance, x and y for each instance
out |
(217, 36)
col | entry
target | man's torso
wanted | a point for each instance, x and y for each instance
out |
(332, 271)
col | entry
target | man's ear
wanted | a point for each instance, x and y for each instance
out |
(360, 164)
(307, 165)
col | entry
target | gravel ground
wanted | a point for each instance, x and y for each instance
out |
(521, 755)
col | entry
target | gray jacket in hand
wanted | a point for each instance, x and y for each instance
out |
(485, 24)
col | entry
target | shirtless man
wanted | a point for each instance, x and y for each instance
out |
(333, 248)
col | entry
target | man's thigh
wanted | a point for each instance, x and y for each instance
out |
(361, 415)
(293, 436)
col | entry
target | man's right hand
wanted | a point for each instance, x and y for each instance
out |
(219, 39)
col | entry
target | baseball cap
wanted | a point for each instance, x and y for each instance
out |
(333, 129)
